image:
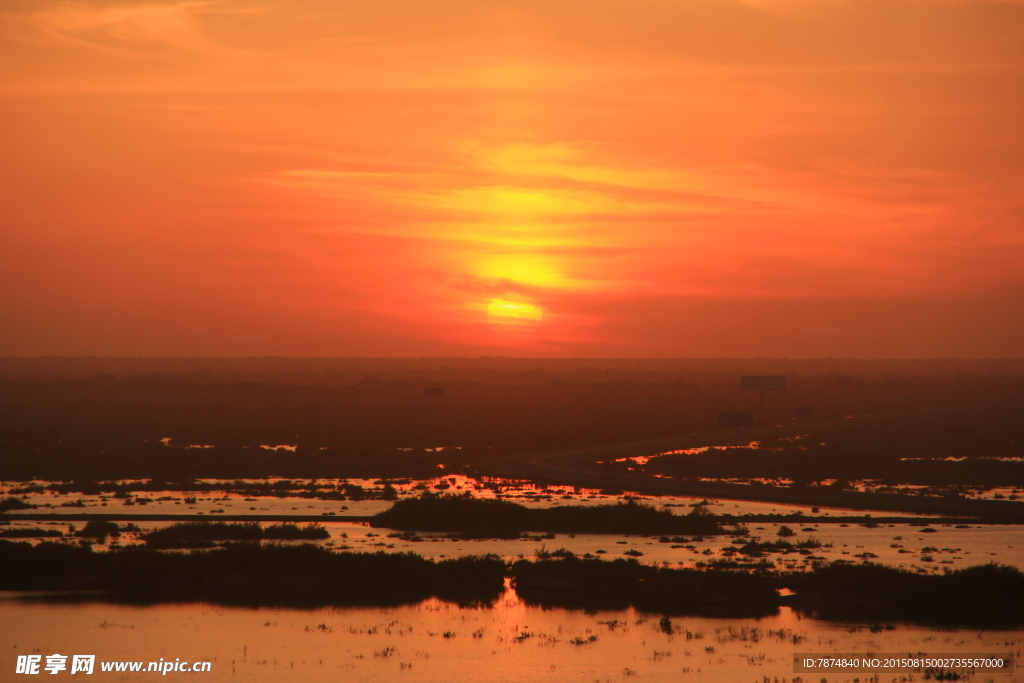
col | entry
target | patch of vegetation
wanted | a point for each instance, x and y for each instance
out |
(205, 534)
(12, 503)
(289, 531)
(282, 488)
(542, 553)
(99, 528)
(463, 513)
(756, 549)
(310, 576)
(983, 595)
(739, 563)
(597, 584)
(251, 574)
(29, 532)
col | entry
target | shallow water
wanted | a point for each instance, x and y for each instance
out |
(436, 641)
(946, 548)
(523, 493)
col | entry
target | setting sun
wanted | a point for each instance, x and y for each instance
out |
(788, 178)
(509, 312)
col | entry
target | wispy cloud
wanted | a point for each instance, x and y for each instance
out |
(112, 27)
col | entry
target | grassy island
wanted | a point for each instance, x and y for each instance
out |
(465, 514)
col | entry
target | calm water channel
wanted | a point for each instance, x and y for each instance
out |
(437, 641)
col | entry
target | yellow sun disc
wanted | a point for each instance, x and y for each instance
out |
(507, 311)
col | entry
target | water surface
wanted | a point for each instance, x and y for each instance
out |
(437, 641)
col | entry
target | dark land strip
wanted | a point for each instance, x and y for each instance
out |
(375, 521)
(307, 576)
(194, 517)
(540, 524)
(576, 468)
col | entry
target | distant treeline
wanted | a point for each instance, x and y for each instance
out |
(310, 576)
(490, 370)
(251, 574)
(490, 517)
(112, 418)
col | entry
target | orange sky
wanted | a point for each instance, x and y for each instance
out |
(538, 177)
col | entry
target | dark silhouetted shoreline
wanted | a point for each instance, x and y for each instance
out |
(205, 534)
(985, 596)
(251, 574)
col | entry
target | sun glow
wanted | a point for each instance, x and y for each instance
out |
(527, 270)
(511, 312)
(514, 204)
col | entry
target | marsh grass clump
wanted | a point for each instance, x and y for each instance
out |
(202, 534)
(619, 584)
(983, 595)
(488, 517)
(251, 574)
(289, 531)
(99, 528)
(207, 534)
(542, 553)
(12, 503)
(727, 563)
(757, 549)
(456, 513)
(29, 532)
(580, 640)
